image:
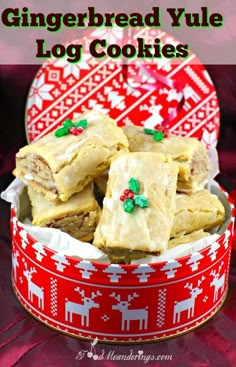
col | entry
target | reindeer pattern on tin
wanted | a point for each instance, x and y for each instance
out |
(218, 282)
(82, 309)
(129, 314)
(188, 304)
(33, 288)
(15, 263)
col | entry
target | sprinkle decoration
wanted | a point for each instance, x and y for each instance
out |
(130, 197)
(68, 127)
(158, 135)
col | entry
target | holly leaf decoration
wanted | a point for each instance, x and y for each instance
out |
(61, 132)
(134, 185)
(128, 205)
(68, 127)
(149, 131)
(141, 201)
(67, 124)
(81, 123)
(158, 135)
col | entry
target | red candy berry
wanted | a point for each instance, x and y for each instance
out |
(126, 192)
(80, 129)
(165, 131)
(73, 131)
(76, 131)
(122, 198)
(130, 195)
(162, 129)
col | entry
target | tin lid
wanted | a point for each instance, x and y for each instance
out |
(182, 95)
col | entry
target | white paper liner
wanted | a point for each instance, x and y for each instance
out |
(66, 245)
(213, 165)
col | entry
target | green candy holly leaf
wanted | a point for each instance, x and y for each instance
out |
(141, 201)
(158, 135)
(61, 132)
(133, 185)
(149, 131)
(67, 124)
(128, 205)
(81, 123)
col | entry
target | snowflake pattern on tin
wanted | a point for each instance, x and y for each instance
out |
(24, 239)
(226, 238)
(143, 272)
(114, 272)
(170, 268)
(213, 250)
(60, 261)
(15, 225)
(40, 93)
(86, 268)
(39, 251)
(194, 260)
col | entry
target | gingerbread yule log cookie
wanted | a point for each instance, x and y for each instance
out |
(139, 206)
(100, 186)
(66, 160)
(189, 153)
(186, 238)
(200, 210)
(101, 183)
(78, 216)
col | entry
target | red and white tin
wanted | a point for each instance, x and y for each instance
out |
(120, 303)
(111, 302)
